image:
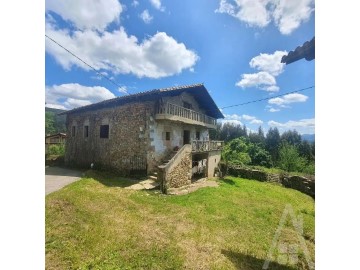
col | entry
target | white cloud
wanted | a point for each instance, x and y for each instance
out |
(231, 121)
(262, 80)
(287, 99)
(287, 15)
(155, 57)
(157, 4)
(123, 89)
(269, 66)
(135, 3)
(253, 12)
(235, 118)
(248, 117)
(273, 109)
(55, 106)
(146, 17)
(270, 63)
(256, 122)
(71, 95)
(303, 126)
(232, 116)
(87, 14)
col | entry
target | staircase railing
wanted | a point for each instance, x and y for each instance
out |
(204, 146)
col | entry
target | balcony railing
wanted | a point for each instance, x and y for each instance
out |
(205, 146)
(194, 116)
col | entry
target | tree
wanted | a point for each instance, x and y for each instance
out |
(291, 137)
(236, 152)
(272, 143)
(259, 156)
(306, 151)
(49, 123)
(230, 131)
(257, 138)
(289, 158)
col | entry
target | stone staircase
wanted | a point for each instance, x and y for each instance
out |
(168, 158)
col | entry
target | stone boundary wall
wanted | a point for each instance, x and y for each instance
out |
(300, 183)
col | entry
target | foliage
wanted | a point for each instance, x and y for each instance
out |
(291, 137)
(241, 151)
(259, 156)
(272, 143)
(49, 123)
(230, 131)
(236, 152)
(54, 123)
(95, 224)
(56, 149)
(289, 158)
(258, 138)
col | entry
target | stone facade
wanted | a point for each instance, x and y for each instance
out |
(180, 174)
(128, 142)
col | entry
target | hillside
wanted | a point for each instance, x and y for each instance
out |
(95, 223)
(54, 123)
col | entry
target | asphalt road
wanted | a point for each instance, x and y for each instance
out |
(57, 178)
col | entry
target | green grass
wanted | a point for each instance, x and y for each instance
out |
(97, 224)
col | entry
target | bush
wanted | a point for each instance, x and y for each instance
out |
(56, 149)
(290, 160)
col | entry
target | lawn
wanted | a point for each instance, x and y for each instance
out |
(97, 224)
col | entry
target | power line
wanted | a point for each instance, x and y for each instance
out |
(253, 101)
(102, 75)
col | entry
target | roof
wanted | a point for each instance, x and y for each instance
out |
(307, 51)
(57, 134)
(199, 92)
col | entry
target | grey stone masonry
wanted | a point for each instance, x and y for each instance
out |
(128, 142)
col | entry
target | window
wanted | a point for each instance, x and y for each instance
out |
(198, 135)
(86, 131)
(73, 130)
(104, 131)
(167, 136)
(187, 105)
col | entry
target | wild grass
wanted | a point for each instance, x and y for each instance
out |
(95, 223)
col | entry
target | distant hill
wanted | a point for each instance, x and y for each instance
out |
(308, 137)
(54, 123)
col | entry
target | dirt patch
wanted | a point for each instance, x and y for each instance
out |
(201, 183)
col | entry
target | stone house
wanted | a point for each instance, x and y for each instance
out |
(162, 131)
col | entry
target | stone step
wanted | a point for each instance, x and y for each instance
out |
(153, 177)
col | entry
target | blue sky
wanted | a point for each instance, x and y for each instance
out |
(233, 47)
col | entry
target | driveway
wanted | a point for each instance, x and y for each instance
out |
(57, 178)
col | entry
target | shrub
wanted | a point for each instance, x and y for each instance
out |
(56, 149)
(290, 160)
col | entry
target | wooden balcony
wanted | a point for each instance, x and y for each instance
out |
(199, 146)
(175, 112)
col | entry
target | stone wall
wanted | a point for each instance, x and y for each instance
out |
(300, 183)
(177, 172)
(179, 175)
(128, 144)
